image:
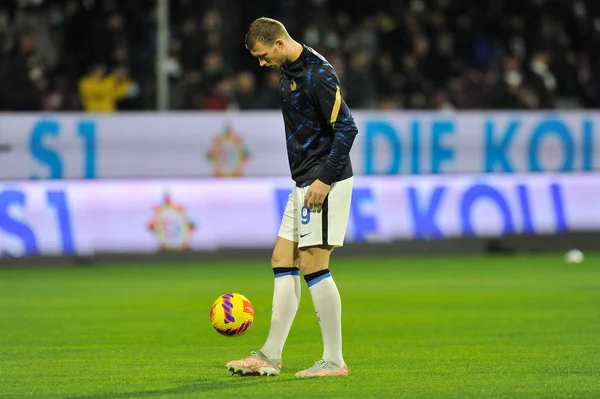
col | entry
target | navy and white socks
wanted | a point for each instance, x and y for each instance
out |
(286, 300)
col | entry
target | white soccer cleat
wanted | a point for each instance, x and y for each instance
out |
(324, 368)
(256, 364)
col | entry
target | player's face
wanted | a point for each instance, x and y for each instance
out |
(269, 55)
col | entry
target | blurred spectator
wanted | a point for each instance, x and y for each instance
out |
(190, 37)
(245, 91)
(361, 89)
(101, 92)
(61, 96)
(543, 79)
(417, 54)
(509, 90)
(6, 35)
(220, 96)
(268, 96)
(24, 80)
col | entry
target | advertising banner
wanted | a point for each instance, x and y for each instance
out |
(147, 216)
(252, 144)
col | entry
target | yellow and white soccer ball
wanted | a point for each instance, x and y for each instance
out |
(232, 314)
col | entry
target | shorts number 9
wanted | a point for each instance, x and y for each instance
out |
(305, 214)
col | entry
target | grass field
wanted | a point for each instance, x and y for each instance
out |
(462, 327)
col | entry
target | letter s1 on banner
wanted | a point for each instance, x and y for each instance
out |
(148, 216)
(218, 144)
(81, 146)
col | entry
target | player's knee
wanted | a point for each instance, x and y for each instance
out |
(279, 259)
(314, 259)
(285, 253)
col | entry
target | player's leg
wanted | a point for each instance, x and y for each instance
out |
(286, 296)
(314, 263)
(320, 233)
(286, 299)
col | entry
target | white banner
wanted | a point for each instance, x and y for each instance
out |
(146, 216)
(203, 144)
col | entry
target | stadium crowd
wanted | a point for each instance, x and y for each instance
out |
(99, 55)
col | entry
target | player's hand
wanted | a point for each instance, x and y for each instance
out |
(315, 195)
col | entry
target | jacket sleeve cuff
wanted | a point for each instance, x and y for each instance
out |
(327, 176)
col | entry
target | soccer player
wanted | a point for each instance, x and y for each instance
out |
(319, 131)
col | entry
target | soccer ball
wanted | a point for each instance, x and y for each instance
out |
(232, 314)
(574, 256)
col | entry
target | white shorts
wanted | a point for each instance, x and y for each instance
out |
(327, 227)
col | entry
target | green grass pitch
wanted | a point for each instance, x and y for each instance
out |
(523, 326)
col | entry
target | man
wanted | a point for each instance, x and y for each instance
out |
(100, 92)
(320, 131)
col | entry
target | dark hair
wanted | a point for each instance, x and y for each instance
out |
(264, 30)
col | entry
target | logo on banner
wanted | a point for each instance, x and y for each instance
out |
(171, 226)
(228, 154)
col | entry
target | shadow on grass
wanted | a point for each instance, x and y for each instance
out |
(235, 381)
